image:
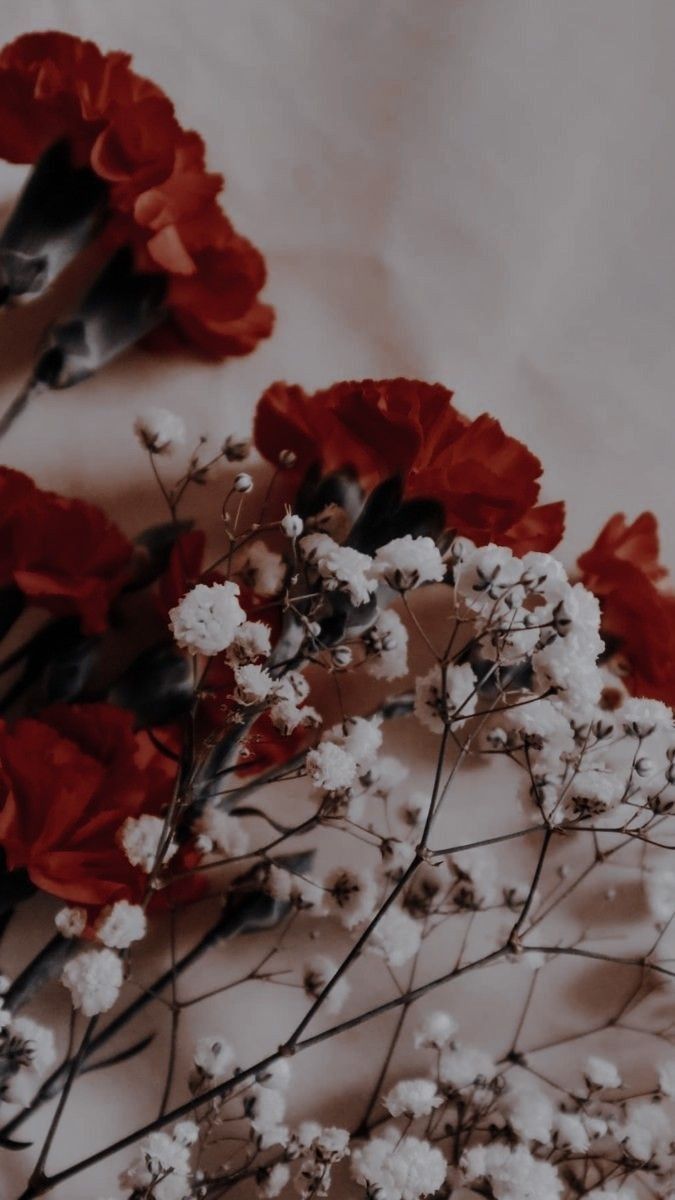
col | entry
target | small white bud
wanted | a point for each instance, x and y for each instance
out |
(292, 525)
(242, 482)
(341, 657)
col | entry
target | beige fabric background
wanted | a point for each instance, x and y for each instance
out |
(479, 192)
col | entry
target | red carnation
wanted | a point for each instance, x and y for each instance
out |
(160, 197)
(622, 568)
(486, 480)
(64, 555)
(67, 783)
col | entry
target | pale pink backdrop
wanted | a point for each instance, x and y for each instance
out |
(477, 192)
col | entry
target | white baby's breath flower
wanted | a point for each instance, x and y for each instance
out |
(71, 922)
(206, 620)
(265, 1109)
(360, 737)
(214, 1057)
(253, 684)
(570, 1132)
(40, 1043)
(286, 716)
(121, 924)
(641, 718)
(251, 641)
(667, 1078)
(601, 1073)
(398, 1168)
(141, 839)
(217, 830)
(407, 562)
(330, 767)
(93, 979)
(352, 893)
(460, 1066)
(159, 430)
(340, 567)
(433, 708)
(513, 1174)
(412, 1098)
(529, 1112)
(486, 576)
(387, 644)
(396, 937)
(274, 1180)
(435, 1031)
(317, 972)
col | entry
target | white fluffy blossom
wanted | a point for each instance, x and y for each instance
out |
(286, 716)
(159, 430)
(570, 1132)
(387, 644)
(71, 922)
(40, 1040)
(407, 562)
(206, 620)
(93, 979)
(435, 1031)
(433, 708)
(412, 1098)
(647, 1133)
(641, 718)
(352, 893)
(265, 1108)
(251, 641)
(529, 1112)
(121, 924)
(513, 1174)
(601, 1073)
(316, 974)
(214, 1057)
(263, 569)
(396, 937)
(360, 737)
(141, 839)
(460, 1066)
(330, 767)
(217, 830)
(162, 1169)
(667, 1078)
(340, 567)
(398, 1168)
(485, 577)
(253, 684)
(274, 1181)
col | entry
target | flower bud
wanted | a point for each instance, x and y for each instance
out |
(242, 482)
(236, 449)
(292, 525)
(287, 458)
(341, 657)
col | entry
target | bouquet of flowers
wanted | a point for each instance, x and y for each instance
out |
(257, 732)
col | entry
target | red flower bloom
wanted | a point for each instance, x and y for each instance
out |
(161, 197)
(64, 555)
(622, 568)
(67, 783)
(486, 480)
